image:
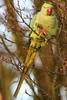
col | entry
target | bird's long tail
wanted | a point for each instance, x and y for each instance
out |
(29, 59)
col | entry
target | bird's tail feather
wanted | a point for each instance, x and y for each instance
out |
(30, 56)
(20, 82)
(29, 59)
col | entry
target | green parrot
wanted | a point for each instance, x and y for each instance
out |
(43, 26)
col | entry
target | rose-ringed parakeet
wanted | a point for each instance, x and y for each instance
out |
(43, 27)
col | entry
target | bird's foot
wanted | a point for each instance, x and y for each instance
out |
(43, 31)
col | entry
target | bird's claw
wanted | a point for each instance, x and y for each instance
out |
(43, 31)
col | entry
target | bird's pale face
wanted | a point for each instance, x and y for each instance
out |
(47, 10)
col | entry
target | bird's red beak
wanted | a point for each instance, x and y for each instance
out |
(49, 11)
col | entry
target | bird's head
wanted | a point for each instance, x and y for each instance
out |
(48, 9)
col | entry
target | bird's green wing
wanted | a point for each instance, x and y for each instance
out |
(32, 23)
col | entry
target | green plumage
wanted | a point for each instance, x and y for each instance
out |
(44, 27)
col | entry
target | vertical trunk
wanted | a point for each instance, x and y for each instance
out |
(4, 83)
